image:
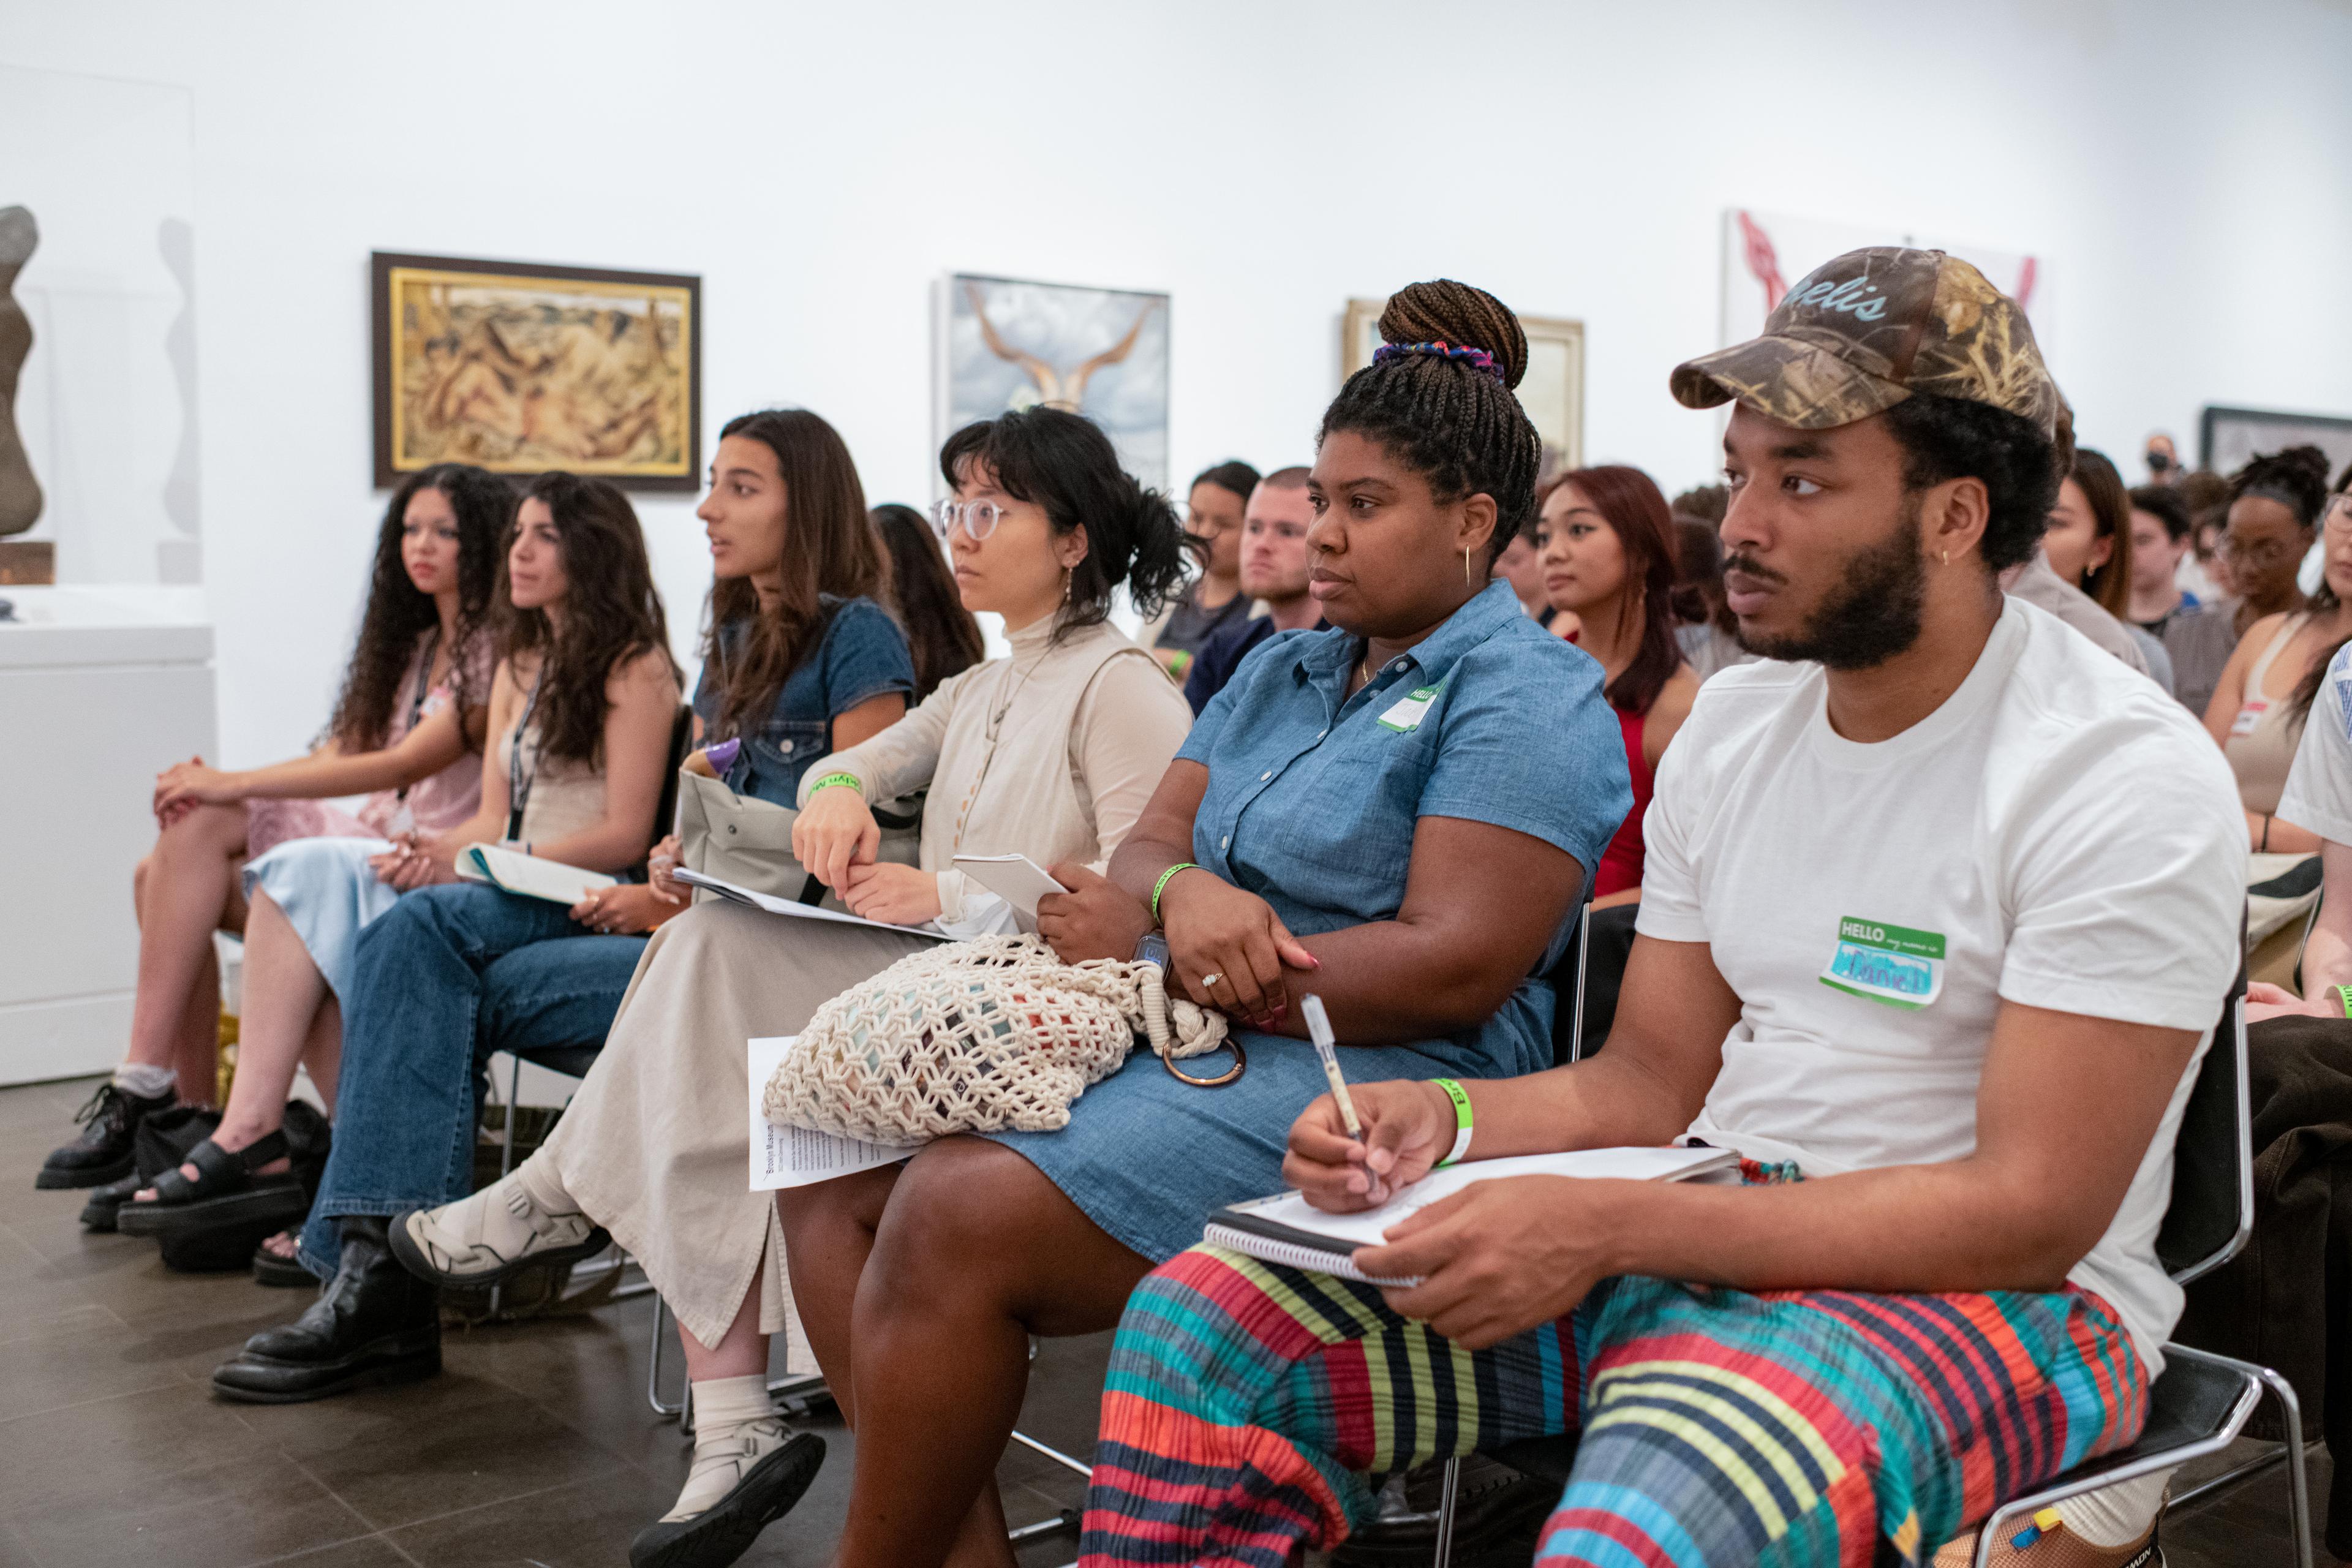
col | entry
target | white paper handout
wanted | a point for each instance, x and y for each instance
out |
(788, 1156)
(529, 875)
(1369, 1227)
(1016, 879)
(776, 906)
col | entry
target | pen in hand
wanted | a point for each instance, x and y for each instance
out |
(1319, 1030)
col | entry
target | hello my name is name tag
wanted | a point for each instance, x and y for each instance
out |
(1409, 710)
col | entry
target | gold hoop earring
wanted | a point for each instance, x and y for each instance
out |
(1469, 572)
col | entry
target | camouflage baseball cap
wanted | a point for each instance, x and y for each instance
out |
(1866, 330)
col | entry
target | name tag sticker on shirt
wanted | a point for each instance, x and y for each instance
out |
(1409, 710)
(2249, 717)
(1894, 964)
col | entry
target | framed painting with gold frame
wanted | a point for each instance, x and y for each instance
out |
(1552, 392)
(519, 367)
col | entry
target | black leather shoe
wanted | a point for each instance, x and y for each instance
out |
(372, 1323)
(725, 1530)
(102, 1154)
(98, 1213)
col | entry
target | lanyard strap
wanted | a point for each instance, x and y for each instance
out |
(424, 688)
(517, 786)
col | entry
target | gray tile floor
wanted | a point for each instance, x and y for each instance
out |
(534, 1448)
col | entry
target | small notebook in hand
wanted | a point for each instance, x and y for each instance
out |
(1283, 1229)
(529, 875)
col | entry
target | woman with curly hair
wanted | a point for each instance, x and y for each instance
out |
(406, 732)
(582, 707)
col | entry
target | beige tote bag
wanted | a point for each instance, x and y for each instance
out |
(748, 841)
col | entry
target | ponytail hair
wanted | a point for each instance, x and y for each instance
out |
(1064, 463)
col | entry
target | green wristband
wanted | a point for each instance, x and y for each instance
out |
(2343, 999)
(1461, 1099)
(1160, 885)
(849, 780)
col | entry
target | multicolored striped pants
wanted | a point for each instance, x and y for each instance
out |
(1247, 1404)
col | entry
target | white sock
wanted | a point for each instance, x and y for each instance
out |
(2119, 1515)
(539, 1178)
(735, 1426)
(146, 1082)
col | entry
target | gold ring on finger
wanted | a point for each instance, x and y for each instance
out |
(1211, 982)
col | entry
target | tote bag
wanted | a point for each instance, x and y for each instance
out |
(748, 841)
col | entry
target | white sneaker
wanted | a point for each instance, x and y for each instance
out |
(497, 1232)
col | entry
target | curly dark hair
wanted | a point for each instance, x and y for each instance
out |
(398, 615)
(829, 548)
(1449, 420)
(2297, 478)
(1952, 438)
(941, 633)
(611, 610)
(1063, 461)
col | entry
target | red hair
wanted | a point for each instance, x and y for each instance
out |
(1629, 500)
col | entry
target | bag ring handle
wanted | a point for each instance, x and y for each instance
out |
(1152, 981)
(1232, 1042)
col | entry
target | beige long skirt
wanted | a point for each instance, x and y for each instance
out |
(656, 1145)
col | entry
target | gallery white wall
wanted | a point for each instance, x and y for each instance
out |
(2186, 168)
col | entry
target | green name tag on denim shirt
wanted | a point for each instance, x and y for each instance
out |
(1409, 711)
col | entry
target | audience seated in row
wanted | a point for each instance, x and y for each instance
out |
(1397, 807)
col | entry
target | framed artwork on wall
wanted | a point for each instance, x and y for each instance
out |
(1007, 343)
(1552, 392)
(520, 367)
(2228, 438)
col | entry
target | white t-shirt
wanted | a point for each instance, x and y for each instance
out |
(2059, 833)
(2318, 794)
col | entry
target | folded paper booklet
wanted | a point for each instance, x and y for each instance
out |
(1284, 1229)
(529, 875)
(1016, 879)
(776, 906)
(787, 1156)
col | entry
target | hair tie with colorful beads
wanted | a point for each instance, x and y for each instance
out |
(1477, 359)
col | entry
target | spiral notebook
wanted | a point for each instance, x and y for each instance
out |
(1283, 1229)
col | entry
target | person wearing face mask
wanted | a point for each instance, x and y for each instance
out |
(407, 732)
(1275, 564)
(1051, 752)
(1214, 600)
(2163, 459)
(1608, 549)
(2265, 691)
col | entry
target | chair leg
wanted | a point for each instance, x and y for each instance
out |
(1447, 1496)
(654, 1368)
(2298, 1483)
(505, 1155)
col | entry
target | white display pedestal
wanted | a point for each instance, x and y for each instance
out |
(100, 689)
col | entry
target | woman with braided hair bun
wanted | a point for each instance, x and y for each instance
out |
(1398, 814)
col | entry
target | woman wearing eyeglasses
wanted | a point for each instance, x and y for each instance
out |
(1052, 753)
(2265, 691)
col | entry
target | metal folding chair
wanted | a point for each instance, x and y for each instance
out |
(2201, 1403)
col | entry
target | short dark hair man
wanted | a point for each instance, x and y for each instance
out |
(1275, 565)
(1899, 950)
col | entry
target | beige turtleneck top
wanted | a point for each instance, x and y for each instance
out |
(1050, 754)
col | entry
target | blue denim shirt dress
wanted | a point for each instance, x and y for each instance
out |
(863, 655)
(1312, 802)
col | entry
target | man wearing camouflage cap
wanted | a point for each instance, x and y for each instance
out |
(1896, 935)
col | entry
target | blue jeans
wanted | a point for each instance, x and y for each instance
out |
(451, 974)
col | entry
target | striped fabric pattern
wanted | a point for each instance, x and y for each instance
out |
(1247, 1403)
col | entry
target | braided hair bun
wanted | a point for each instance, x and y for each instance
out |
(1438, 397)
(2297, 478)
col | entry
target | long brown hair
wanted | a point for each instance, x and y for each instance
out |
(941, 633)
(829, 548)
(1629, 500)
(2110, 584)
(397, 616)
(611, 610)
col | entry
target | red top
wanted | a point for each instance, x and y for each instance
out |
(1621, 863)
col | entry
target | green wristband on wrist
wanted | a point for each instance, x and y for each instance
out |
(850, 780)
(2343, 999)
(1461, 1099)
(1160, 885)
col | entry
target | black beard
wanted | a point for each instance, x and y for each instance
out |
(1874, 612)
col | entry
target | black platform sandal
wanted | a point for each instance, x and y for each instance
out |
(280, 1273)
(225, 1192)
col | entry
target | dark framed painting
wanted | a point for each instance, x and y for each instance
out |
(2228, 438)
(520, 367)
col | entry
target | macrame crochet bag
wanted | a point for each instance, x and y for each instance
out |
(991, 1036)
